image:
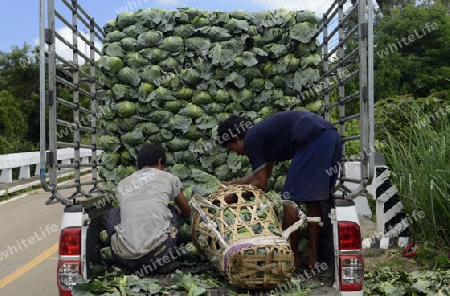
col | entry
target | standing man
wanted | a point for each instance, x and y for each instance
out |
(314, 146)
(144, 228)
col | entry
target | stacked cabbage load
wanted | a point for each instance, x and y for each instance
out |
(170, 77)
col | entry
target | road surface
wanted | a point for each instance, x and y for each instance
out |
(29, 233)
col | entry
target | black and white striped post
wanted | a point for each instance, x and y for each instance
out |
(392, 222)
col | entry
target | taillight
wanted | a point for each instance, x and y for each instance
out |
(67, 275)
(351, 263)
(351, 269)
(70, 241)
(69, 263)
(349, 236)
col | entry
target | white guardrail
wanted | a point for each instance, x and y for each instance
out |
(25, 160)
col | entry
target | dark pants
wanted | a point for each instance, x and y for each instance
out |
(150, 262)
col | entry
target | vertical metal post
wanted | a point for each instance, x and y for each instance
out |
(42, 88)
(363, 88)
(370, 86)
(76, 93)
(326, 97)
(52, 106)
(94, 102)
(341, 55)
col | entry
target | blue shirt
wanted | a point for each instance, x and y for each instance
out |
(281, 135)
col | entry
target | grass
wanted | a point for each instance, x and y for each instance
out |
(417, 148)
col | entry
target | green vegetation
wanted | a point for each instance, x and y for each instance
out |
(387, 281)
(416, 135)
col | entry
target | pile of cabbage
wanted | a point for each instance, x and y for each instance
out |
(170, 77)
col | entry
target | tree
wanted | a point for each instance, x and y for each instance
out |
(387, 6)
(19, 76)
(412, 53)
(13, 125)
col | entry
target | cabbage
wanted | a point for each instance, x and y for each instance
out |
(126, 108)
(153, 74)
(128, 76)
(178, 144)
(142, 93)
(194, 133)
(184, 30)
(161, 137)
(172, 106)
(110, 64)
(114, 49)
(161, 94)
(131, 31)
(315, 106)
(185, 93)
(303, 31)
(206, 122)
(172, 44)
(200, 21)
(159, 116)
(121, 91)
(109, 143)
(150, 17)
(215, 33)
(106, 112)
(179, 122)
(202, 98)
(127, 124)
(135, 61)
(110, 26)
(199, 45)
(266, 111)
(191, 110)
(287, 102)
(109, 128)
(110, 159)
(169, 64)
(222, 96)
(128, 44)
(126, 157)
(132, 138)
(214, 108)
(180, 170)
(257, 84)
(148, 128)
(149, 39)
(288, 63)
(190, 76)
(154, 54)
(125, 19)
(114, 36)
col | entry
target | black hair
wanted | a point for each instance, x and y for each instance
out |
(234, 125)
(150, 154)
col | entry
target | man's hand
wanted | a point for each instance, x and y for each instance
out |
(231, 198)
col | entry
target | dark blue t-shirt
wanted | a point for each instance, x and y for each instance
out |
(280, 135)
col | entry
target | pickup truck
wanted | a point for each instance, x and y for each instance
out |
(345, 86)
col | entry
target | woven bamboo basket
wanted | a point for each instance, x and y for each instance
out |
(244, 240)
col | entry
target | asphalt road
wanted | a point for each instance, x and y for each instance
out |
(29, 233)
